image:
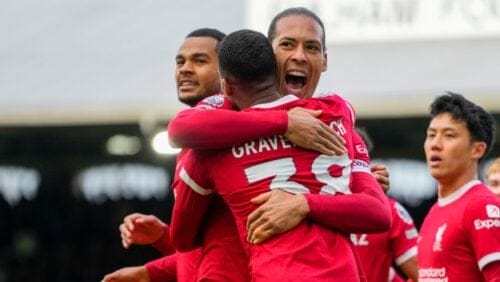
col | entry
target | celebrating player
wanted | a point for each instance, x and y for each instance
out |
(310, 251)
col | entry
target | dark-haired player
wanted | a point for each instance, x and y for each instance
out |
(460, 236)
(310, 251)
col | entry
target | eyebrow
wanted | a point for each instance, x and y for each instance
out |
(194, 55)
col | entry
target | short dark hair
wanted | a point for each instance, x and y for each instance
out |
(296, 11)
(480, 123)
(246, 57)
(208, 32)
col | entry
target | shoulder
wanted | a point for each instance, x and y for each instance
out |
(482, 204)
(400, 212)
(218, 101)
(334, 98)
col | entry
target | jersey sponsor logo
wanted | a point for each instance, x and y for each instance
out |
(436, 247)
(265, 144)
(493, 211)
(412, 233)
(486, 224)
(432, 274)
(403, 213)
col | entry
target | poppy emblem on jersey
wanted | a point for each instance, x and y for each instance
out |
(493, 211)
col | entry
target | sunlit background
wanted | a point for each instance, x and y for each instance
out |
(87, 90)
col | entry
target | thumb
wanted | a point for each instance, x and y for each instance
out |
(262, 198)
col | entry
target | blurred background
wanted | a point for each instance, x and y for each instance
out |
(85, 86)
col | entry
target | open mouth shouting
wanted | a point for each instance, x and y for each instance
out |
(295, 82)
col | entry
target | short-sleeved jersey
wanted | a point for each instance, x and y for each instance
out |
(378, 251)
(460, 235)
(309, 252)
(221, 256)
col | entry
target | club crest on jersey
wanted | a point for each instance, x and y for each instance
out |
(436, 247)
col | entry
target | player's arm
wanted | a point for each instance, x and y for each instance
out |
(481, 224)
(410, 268)
(190, 206)
(491, 272)
(203, 127)
(365, 211)
(163, 269)
(164, 244)
(403, 241)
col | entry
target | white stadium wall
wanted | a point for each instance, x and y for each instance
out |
(112, 62)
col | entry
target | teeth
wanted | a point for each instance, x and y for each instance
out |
(297, 73)
(187, 83)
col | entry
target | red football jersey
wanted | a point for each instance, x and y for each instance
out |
(218, 254)
(378, 251)
(202, 127)
(460, 235)
(309, 252)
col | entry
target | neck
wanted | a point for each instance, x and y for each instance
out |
(448, 185)
(258, 95)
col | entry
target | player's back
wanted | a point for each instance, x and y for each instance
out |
(309, 251)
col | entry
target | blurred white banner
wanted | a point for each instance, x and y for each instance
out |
(387, 20)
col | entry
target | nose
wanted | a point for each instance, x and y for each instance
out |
(299, 54)
(187, 67)
(436, 142)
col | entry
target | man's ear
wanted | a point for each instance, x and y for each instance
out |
(226, 88)
(478, 150)
(325, 62)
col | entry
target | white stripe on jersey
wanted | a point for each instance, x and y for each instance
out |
(488, 259)
(283, 100)
(193, 185)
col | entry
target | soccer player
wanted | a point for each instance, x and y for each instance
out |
(310, 251)
(298, 40)
(493, 176)
(197, 78)
(221, 257)
(398, 245)
(460, 237)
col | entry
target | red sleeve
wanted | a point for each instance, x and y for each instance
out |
(190, 206)
(360, 150)
(403, 234)
(491, 272)
(211, 129)
(164, 244)
(162, 269)
(367, 210)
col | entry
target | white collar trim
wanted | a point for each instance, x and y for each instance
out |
(457, 194)
(283, 100)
